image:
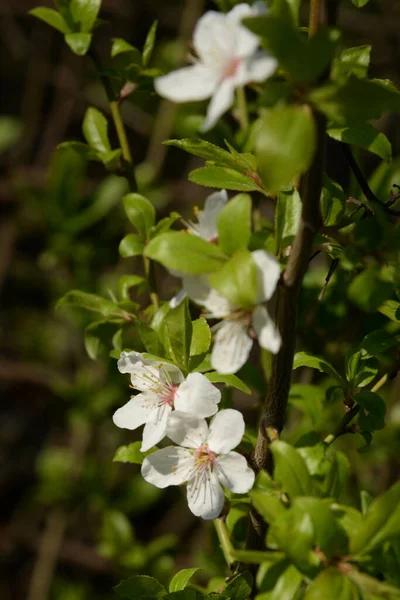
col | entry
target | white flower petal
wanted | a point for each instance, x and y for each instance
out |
(138, 410)
(178, 299)
(213, 40)
(268, 274)
(186, 429)
(246, 42)
(148, 374)
(267, 333)
(128, 360)
(196, 82)
(205, 495)
(259, 67)
(226, 431)
(198, 289)
(208, 218)
(234, 473)
(231, 347)
(169, 466)
(155, 430)
(197, 395)
(221, 100)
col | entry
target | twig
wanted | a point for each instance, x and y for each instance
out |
(362, 182)
(342, 428)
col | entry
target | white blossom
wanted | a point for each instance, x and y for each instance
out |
(163, 388)
(235, 333)
(203, 459)
(227, 58)
(205, 228)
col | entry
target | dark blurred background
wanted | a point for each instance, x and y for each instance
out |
(72, 522)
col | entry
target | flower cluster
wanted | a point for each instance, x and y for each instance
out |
(170, 404)
(227, 57)
(174, 406)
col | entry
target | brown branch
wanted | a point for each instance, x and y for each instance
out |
(272, 421)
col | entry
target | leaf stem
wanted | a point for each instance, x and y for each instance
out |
(232, 555)
(242, 108)
(150, 276)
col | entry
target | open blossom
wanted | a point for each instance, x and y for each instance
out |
(163, 388)
(227, 58)
(203, 459)
(238, 328)
(205, 228)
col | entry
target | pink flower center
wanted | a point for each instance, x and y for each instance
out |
(204, 457)
(168, 396)
(231, 67)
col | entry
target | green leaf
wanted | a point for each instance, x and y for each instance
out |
(361, 371)
(243, 163)
(98, 335)
(79, 42)
(330, 537)
(140, 213)
(126, 282)
(121, 46)
(230, 380)
(370, 585)
(287, 218)
(51, 17)
(377, 342)
(178, 333)
(222, 177)
(366, 137)
(187, 253)
(294, 533)
(285, 139)
(373, 410)
(132, 454)
(345, 104)
(381, 523)
(267, 505)
(234, 224)
(285, 586)
(95, 130)
(368, 290)
(181, 579)
(164, 224)
(150, 339)
(332, 203)
(84, 150)
(201, 337)
(304, 59)
(85, 13)
(239, 587)
(290, 470)
(359, 3)
(78, 299)
(309, 399)
(131, 245)
(237, 280)
(331, 584)
(149, 43)
(391, 310)
(352, 61)
(140, 587)
(304, 359)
